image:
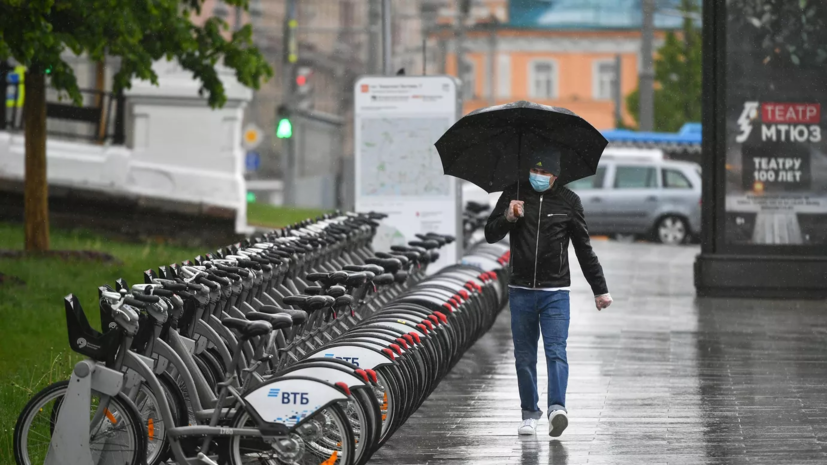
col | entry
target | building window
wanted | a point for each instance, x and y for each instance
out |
(221, 10)
(543, 79)
(603, 80)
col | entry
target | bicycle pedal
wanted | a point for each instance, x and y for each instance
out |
(206, 460)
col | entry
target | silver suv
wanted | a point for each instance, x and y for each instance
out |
(656, 199)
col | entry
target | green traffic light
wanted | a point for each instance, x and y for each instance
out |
(251, 197)
(284, 129)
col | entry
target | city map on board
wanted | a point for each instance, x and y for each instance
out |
(398, 157)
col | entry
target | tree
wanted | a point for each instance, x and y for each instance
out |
(36, 33)
(677, 77)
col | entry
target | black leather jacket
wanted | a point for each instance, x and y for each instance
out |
(540, 239)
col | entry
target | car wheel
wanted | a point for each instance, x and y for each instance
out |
(671, 230)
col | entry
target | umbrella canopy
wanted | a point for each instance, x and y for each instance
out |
(491, 147)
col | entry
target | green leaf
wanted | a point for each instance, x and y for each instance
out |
(36, 33)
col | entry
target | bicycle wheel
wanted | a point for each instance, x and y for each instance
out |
(206, 369)
(325, 438)
(156, 431)
(119, 439)
(159, 448)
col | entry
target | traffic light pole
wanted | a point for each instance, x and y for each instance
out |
(290, 163)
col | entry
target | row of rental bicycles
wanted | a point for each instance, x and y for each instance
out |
(301, 346)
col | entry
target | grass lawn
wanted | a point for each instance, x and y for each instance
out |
(259, 214)
(34, 350)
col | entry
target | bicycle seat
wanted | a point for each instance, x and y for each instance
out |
(410, 254)
(389, 265)
(276, 321)
(427, 245)
(384, 279)
(298, 316)
(310, 303)
(445, 237)
(356, 279)
(438, 239)
(248, 328)
(328, 279)
(343, 301)
(375, 269)
(336, 291)
(313, 290)
(403, 260)
(401, 276)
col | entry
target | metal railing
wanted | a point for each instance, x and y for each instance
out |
(100, 119)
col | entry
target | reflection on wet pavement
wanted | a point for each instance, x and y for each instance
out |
(659, 378)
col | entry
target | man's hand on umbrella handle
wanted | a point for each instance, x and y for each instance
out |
(515, 211)
(603, 301)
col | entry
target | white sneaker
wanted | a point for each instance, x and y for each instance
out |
(528, 427)
(557, 423)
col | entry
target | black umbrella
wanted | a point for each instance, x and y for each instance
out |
(491, 147)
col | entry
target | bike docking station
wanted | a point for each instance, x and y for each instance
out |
(70, 440)
(69, 444)
(265, 349)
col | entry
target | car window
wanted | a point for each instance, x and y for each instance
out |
(674, 179)
(635, 177)
(592, 182)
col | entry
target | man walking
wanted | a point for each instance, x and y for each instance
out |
(542, 218)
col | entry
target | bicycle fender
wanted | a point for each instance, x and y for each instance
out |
(482, 262)
(289, 400)
(399, 326)
(360, 356)
(328, 374)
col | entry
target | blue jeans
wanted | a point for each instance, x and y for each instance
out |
(531, 313)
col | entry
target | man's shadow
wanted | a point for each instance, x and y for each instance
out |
(532, 451)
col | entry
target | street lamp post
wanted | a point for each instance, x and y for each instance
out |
(387, 45)
(647, 72)
(290, 171)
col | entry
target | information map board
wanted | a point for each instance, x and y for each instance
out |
(398, 170)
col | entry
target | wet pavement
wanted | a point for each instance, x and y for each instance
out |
(659, 378)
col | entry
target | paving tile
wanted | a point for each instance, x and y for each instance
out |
(661, 377)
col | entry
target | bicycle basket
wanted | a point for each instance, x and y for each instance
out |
(84, 339)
